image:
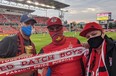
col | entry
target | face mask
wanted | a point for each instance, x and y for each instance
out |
(26, 30)
(95, 42)
(56, 36)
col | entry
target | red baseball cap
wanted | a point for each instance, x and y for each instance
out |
(90, 27)
(54, 21)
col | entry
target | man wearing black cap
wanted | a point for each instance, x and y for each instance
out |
(20, 44)
(102, 53)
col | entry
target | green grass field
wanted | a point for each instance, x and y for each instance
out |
(41, 40)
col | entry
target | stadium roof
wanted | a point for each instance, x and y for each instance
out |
(48, 4)
(15, 8)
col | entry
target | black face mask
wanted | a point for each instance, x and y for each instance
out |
(95, 42)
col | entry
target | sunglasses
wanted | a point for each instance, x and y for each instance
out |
(54, 28)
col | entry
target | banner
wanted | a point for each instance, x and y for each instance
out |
(24, 64)
(104, 16)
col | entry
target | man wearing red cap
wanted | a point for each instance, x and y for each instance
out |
(60, 42)
(102, 51)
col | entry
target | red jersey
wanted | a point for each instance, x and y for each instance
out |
(72, 68)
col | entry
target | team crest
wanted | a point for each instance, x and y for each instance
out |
(70, 45)
(53, 19)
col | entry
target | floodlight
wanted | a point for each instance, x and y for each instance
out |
(43, 5)
(29, 1)
(36, 3)
(52, 7)
(20, 0)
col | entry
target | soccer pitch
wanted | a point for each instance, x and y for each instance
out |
(40, 40)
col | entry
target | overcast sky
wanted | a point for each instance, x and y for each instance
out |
(83, 10)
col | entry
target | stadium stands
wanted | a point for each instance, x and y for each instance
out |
(7, 30)
(65, 29)
(43, 29)
(5, 18)
(40, 29)
(10, 15)
(9, 20)
(41, 20)
(2, 19)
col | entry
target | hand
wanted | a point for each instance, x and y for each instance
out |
(43, 71)
(24, 55)
(25, 74)
(86, 45)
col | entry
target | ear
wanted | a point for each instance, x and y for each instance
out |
(33, 26)
(103, 33)
(19, 26)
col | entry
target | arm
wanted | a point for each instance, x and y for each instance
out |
(86, 45)
(5, 47)
(44, 71)
(8, 47)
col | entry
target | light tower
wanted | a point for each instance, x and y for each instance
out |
(61, 14)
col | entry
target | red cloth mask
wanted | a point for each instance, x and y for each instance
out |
(57, 36)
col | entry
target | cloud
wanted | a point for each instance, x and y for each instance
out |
(73, 11)
(92, 10)
(89, 10)
(85, 10)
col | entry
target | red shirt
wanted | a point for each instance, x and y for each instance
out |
(72, 68)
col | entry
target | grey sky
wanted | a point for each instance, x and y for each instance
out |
(84, 10)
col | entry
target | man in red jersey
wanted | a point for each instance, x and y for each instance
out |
(60, 42)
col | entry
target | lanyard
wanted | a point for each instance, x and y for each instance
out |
(103, 59)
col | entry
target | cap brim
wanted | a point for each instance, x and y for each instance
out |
(53, 25)
(84, 32)
(30, 19)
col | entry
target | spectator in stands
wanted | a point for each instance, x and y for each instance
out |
(17, 45)
(102, 51)
(60, 42)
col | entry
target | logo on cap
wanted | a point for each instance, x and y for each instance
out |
(53, 19)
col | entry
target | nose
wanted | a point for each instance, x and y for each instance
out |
(90, 36)
(55, 29)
